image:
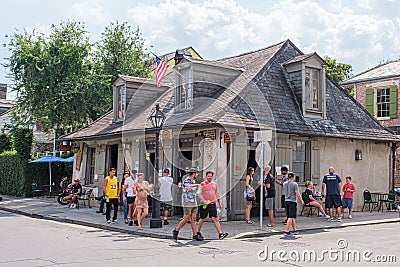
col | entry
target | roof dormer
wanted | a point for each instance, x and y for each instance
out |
(307, 76)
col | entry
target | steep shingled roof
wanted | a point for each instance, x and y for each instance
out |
(388, 69)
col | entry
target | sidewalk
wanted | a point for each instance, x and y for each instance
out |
(49, 209)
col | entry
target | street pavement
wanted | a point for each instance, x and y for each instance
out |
(27, 241)
(48, 208)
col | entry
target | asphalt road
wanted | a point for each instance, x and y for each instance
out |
(32, 242)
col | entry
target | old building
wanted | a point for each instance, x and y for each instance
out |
(214, 110)
(376, 89)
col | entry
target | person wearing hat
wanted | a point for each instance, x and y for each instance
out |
(165, 184)
(75, 192)
(189, 190)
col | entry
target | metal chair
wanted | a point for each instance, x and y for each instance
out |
(368, 200)
(390, 201)
(35, 190)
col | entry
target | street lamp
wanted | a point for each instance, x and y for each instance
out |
(157, 119)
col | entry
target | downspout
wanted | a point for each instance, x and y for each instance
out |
(393, 164)
(355, 90)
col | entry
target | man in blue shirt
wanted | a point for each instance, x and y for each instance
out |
(333, 184)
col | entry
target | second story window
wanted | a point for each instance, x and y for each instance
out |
(382, 102)
(121, 95)
(312, 86)
(184, 93)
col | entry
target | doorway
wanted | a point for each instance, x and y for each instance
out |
(112, 158)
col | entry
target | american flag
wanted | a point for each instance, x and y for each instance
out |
(161, 69)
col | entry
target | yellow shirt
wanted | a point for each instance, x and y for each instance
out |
(112, 187)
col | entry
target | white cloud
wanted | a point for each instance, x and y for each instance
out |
(91, 10)
(217, 28)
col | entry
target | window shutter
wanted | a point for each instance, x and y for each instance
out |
(369, 100)
(393, 102)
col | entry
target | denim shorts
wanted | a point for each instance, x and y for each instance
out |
(347, 203)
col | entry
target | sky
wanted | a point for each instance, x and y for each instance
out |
(359, 32)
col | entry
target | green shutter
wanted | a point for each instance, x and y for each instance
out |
(393, 102)
(369, 100)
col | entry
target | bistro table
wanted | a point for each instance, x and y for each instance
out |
(380, 197)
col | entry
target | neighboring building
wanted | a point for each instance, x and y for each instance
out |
(377, 91)
(213, 112)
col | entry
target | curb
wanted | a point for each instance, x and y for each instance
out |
(275, 232)
(245, 235)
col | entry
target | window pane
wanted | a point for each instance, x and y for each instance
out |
(383, 102)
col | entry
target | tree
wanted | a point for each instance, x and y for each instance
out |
(64, 81)
(50, 76)
(119, 51)
(338, 71)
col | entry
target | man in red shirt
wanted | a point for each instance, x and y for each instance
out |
(208, 193)
(348, 189)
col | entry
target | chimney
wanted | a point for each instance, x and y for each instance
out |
(179, 55)
(3, 91)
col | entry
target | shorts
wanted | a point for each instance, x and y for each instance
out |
(333, 201)
(167, 205)
(130, 200)
(291, 209)
(210, 210)
(189, 208)
(269, 203)
(283, 203)
(347, 203)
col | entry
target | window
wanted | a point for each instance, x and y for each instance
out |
(382, 102)
(121, 94)
(312, 86)
(90, 165)
(300, 154)
(184, 93)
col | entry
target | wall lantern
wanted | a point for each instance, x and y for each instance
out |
(358, 154)
(76, 149)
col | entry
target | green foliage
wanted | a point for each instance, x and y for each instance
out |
(64, 81)
(336, 70)
(12, 174)
(22, 139)
(5, 143)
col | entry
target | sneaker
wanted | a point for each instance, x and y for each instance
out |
(99, 211)
(114, 220)
(270, 225)
(341, 216)
(197, 237)
(286, 233)
(295, 233)
(200, 235)
(130, 223)
(330, 219)
(166, 222)
(136, 223)
(320, 214)
(350, 217)
(73, 206)
(175, 234)
(339, 219)
(222, 235)
(327, 217)
(108, 221)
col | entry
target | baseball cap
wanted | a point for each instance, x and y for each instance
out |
(193, 169)
(166, 170)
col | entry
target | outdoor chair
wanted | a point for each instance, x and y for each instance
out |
(368, 200)
(390, 201)
(306, 199)
(35, 190)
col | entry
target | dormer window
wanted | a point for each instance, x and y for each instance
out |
(121, 102)
(184, 91)
(307, 76)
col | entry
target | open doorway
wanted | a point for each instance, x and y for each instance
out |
(112, 158)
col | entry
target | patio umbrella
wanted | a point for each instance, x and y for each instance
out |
(70, 159)
(47, 159)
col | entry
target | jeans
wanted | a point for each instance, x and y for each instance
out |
(102, 200)
(114, 202)
(125, 206)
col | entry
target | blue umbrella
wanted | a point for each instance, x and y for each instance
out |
(48, 159)
(70, 159)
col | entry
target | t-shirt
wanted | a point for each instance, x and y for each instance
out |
(289, 189)
(166, 188)
(284, 179)
(270, 192)
(309, 192)
(188, 195)
(209, 191)
(332, 184)
(76, 187)
(130, 183)
(348, 194)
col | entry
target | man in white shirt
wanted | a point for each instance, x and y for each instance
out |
(130, 196)
(165, 184)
